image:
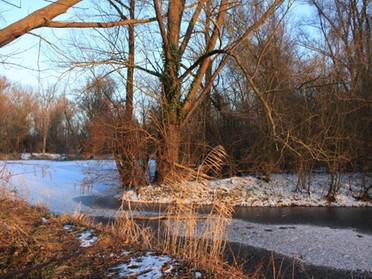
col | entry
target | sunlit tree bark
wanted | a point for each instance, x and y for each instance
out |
(44, 18)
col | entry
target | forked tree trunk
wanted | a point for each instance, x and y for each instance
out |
(176, 109)
(171, 91)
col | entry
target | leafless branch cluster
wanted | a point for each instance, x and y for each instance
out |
(179, 78)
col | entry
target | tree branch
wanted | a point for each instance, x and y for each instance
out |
(190, 103)
(64, 24)
(199, 61)
(162, 29)
(44, 18)
(205, 62)
(113, 62)
(37, 19)
(191, 26)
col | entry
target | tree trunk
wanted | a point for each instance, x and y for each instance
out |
(45, 132)
(171, 92)
(176, 109)
(206, 103)
(169, 152)
(130, 73)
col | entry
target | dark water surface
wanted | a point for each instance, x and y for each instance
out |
(358, 218)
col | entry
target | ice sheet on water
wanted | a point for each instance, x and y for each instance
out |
(320, 246)
(57, 184)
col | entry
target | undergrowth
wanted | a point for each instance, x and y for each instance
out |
(35, 244)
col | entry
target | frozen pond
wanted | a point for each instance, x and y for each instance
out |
(332, 237)
(60, 185)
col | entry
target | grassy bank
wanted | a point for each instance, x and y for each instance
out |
(37, 244)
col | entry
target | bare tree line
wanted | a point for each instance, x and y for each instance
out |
(36, 122)
(229, 73)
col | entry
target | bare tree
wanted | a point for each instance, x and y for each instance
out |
(346, 51)
(194, 51)
(32, 122)
(17, 105)
(46, 100)
(182, 86)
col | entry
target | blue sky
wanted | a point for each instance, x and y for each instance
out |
(28, 60)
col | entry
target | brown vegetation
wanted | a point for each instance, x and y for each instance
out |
(35, 244)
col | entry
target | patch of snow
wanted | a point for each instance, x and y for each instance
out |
(125, 253)
(198, 274)
(67, 227)
(87, 238)
(25, 156)
(147, 266)
(38, 156)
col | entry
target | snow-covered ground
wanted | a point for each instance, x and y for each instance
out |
(148, 265)
(39, 156)
(252, 191)
(58, 183)
(61, 185)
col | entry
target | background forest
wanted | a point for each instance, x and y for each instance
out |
(278, 90)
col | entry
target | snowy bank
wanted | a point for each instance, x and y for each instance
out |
(252, 191)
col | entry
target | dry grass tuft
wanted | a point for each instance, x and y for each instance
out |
(30, 236)
(184, 234)
(77, 219)
(213, 162)
(34, 244)
(4, 181)
(129, 231)
(202, 241)
(211, 165)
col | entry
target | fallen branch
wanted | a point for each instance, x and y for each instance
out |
(164, 217)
